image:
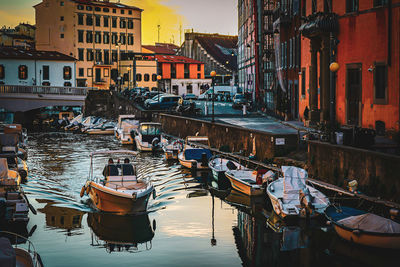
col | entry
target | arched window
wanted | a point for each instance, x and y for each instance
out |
(67, 73)
(138, 77)
(146, 77)
(23, 72)
(154, 77)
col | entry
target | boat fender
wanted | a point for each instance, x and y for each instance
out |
(328, 223)
(154, 194)
(82, 191)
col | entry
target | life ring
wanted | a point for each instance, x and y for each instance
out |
(82, 191)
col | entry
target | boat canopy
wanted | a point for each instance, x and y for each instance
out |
(294, 180)
(196, 153)
(150, 129)
(371, 223)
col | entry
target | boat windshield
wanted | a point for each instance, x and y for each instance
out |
(150, 129)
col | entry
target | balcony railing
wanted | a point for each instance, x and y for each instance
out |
(51, 90)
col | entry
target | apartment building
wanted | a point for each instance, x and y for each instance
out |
(94, 32)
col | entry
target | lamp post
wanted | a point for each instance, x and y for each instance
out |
(159, 77)
(212, 74)
(129, 77)
(118, 78)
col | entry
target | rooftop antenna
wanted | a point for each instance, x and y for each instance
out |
(158, 27)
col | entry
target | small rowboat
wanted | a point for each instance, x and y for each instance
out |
(245, 181)
(219, 165)
(193, 157)
(364, 228)
(171, 149)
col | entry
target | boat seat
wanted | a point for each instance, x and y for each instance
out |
(133, 185)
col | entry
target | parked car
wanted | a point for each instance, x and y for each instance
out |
(165, 101)
(190, 97)
(239, 100)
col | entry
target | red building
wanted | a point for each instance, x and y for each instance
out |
(363, 38)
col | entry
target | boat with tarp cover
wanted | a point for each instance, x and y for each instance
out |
(194, 157)
(364, 228)
(119, 190)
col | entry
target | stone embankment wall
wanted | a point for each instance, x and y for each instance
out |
(108, 104)
(237, 138)
(377, 174)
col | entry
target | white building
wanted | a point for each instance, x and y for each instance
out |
(31, 67)
(189, 86)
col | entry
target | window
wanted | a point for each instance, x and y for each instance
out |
(61, 35)
(114, 38)
(198, 67)
(122, 11)
(130, 24)
(198, 75)
(122, 23)
(89, 20)
(97, 38)
(98, 56)
(80, 7)
(114, 22)
(186, 71)
(81, 72)
(173, 71)
(46, 73)
(114, 10)
(62, 3)
(303, 82)
(114, 55)
(106, 10)
(67, 73)
(130, 39)
(80, 19)
(154, 77)
(313, 6)
(138, 77)
(106, 73)
(2, 74)
(97, 9)
(106, 38)
(327, 6)
(303, 7)
(88, 8)
(106, 57)
(189, 89)
(351, 6)
(380, 83)
(89, 55)
(67, 84)
(379, 3)
(89, 72)
(23, 72)
(105, 21)
(62, 18)
(98, 21)
(130, 12)
(80, 36)
(146, 77)
(80, 54)
(122, 38)
(89, 37)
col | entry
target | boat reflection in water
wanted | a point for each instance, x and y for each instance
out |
(62, 217)
(121, 233)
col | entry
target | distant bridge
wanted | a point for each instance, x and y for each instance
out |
(24, 98)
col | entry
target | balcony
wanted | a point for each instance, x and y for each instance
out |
(319, 24)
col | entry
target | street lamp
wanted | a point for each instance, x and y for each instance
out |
(118, 78)
(129, 77)
(159, 77)
(212, 74)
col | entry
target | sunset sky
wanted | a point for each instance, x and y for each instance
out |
(212, 16)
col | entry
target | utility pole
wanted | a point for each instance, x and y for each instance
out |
(158, 27)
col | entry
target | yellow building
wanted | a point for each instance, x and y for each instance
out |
(94, 32)
(141, 72)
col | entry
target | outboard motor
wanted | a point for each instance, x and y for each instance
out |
(306, 200)
(155, 143)
(204, 160)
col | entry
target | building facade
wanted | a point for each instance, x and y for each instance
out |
(363, 38)
(139, 70)
(94, 32)
(218, 52)
(22, 35)
(30, 67)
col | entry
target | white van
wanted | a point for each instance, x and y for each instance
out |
(222, 90)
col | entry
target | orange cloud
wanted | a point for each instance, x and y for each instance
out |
(157, 13)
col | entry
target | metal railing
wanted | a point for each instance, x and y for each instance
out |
(53, 90)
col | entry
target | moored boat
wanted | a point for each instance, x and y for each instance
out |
(119, 191)
(291, 197)
(106, 128)
(364, 228)
(246, 181)
(171, 149)
(126, 124)
(21, 255)
(148, 136)
(193, 157)
(219, 165)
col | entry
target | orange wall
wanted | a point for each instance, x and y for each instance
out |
(180, 71)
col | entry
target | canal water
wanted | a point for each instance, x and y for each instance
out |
(189, 223)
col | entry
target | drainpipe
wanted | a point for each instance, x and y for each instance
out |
(257, 43)
(389, 55)
(332, 92)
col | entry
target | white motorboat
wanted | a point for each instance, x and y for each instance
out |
(292, 197)
(126, 124)
(171, 148)
(219, 165)
(148, 137)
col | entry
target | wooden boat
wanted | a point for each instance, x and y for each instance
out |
(120, 191)
(171, 149)
(106, 128)
(126, 124)
(364, 228)
(219, 165)
(195, 158)
(11, 151)
(21, 255)
(148, 137)
(291, 197)
(245, 181)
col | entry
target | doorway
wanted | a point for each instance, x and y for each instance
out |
(353, 94)
(98, 75)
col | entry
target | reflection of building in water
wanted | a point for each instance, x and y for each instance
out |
(62, 217)
(121, 233)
